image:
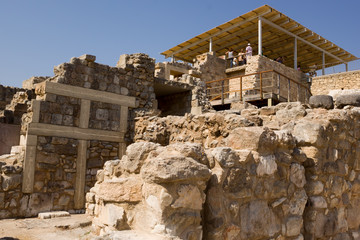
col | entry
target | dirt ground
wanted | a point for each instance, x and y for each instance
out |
(77, 226)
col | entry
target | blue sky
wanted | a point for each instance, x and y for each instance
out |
(40, 34)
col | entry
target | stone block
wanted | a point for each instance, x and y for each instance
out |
(293, 226)
(113, 216)
(321, 101)
(57, 214)
(10, 182)
(344, 100)
(88, 57)
(266, 166)
(121, 190)
(254, 224)
(297, 175)
(318, 202)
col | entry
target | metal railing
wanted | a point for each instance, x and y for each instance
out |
(263, 82)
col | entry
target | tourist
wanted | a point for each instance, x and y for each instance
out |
(241, 57)
(248, 52)
(230, 56)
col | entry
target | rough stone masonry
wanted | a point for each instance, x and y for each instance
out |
(290, 171)
(282, 172)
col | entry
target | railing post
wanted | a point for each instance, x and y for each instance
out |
(278, 86)
(298, 92)
(288, 90)
(261, 93)
(240, 88)
(222, 92)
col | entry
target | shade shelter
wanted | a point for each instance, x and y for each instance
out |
(272, 34)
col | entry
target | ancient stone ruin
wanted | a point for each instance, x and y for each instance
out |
(139, 148)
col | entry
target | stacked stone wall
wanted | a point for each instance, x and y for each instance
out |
(297, 181)
(6, 95)
(56, 157)
(346, 80)
(271, 82)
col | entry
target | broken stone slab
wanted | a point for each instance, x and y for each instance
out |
(344, 100)
(132, 235)
(321, 101)
(48, 215)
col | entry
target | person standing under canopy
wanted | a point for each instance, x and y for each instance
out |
(248, 51)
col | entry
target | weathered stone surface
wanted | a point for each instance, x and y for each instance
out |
(172, 168)
(47, 215)
(225, 156)
(258, 221)
(267, 165)
(88, 57)
(344, 100)
(314, 187)
(318, 202)
(290, 111)
(10, 182)
(113, 216)
(189, 197)
(121, 190)
(135, 156)
(309, 133)
(297, 175)
(293, 226)
(321, 101)
(245, 138)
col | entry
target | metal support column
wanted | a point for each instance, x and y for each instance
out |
(210, 45)
(346, 67)
(323, 63)
(259, 37)
(295, 53)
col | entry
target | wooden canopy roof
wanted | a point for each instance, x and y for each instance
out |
(278, 39)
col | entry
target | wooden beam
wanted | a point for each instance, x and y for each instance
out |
(29, 164)
(218, 33)
(301, 39)
(44, 129)
(84, 93)
(221, 41)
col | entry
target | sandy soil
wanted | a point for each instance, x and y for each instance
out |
(77, 226)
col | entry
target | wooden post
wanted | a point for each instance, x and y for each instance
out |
(278, 84)
(30, 153)
(222, 92)
(79, 198)
(288, 90)
(240, 88)
(123, 128)
(298, 92)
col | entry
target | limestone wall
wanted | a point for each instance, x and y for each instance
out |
(298, 180)
(271, 82)
(212, 68)
(346, 80)
(79, 120)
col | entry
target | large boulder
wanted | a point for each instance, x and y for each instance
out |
(170, 167)
(344, 100)
(321, 101)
